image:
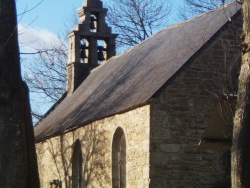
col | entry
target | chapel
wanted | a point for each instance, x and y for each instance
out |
(158, 115)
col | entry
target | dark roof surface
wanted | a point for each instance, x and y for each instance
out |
(130, 79)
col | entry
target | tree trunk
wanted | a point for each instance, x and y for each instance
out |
(241, 133)
(18, 165)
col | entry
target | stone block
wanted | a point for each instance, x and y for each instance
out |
(170, 148)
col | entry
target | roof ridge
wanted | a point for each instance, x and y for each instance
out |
(193, 18)
(142, 70)
(170, 27)
(200, 15)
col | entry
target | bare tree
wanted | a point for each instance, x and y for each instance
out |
(44, 70)
(18, 165)
(194, 7)
(133, 20)
(241, 139)
(136, 20)
(46, 76)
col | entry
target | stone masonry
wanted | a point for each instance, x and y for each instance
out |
(55, 154)
(180, 112)
(162, 136)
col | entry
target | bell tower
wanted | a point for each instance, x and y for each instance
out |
(90, 43)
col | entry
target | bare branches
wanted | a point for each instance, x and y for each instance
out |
(136, 20)
(37, 52)
(194, 7)
(46, 76)
(133, 20)
(31, 9)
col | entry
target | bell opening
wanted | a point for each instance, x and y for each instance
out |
(84, 50)
(93, 22)
(102, 51)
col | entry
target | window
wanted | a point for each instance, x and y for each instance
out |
(77, 166)
(119, 159)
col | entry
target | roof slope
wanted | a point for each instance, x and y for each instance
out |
(130, 79)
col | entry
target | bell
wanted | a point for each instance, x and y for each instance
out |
(92, 22)
(83, 53)
(101, 56)
(100, 53)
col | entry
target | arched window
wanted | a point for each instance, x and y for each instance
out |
(119, 159)
(77, 166)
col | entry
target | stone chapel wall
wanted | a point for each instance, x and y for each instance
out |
(55, 154)
(161, 138)
(180, 113)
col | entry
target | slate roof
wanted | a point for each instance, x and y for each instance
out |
(131, 79)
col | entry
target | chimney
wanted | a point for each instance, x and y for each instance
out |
(90, 42)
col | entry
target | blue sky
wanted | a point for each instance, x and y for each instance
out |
(44, 23)
(50, 14)
(41, 25)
